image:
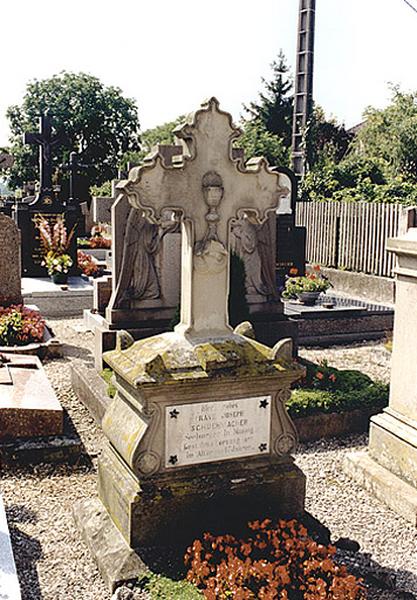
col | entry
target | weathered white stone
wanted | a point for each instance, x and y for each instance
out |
(9, 583)
(393, 433)
(209, 190)
(209, 431)
(156, 489)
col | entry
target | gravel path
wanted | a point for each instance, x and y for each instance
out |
(52, 561)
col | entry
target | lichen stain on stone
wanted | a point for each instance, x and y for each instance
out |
(169, 358)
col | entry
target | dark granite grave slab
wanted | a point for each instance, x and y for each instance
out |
(348, 320)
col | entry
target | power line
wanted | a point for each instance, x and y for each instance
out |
(411, 6)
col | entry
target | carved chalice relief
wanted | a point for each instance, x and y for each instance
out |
(211, 255)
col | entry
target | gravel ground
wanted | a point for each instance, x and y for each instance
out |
(53, 563)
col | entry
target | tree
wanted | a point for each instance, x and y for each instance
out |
(257, 141)
(90, 118)
(326, 139)
(390, 135)
(161, 134)
(274, 109)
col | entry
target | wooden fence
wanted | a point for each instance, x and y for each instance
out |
(353, 235)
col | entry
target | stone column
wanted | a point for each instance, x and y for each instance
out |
(389, 468)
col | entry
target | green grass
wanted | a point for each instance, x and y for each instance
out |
(335, 391)
(162, 588)
(107, 375)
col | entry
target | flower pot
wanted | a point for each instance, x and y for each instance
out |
(308, 298)
(59, 278)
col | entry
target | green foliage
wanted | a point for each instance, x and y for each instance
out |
(305, 402)
(91, 117)
(380, 165)
(20, 325)
(107, 375)
(312, 282)
(325, 139)
(11, 325)
(258, 141)
(390, 134)
(161, 134)
(329, 390)
(274, 108)
(238, 306)
(101, 190)
(162, 588)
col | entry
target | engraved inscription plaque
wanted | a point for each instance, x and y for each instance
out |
(218, 430)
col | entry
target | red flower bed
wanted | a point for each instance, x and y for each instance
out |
(275, 562)
(20, 325)
(87, 264)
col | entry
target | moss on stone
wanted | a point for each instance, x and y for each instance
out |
(170, 358)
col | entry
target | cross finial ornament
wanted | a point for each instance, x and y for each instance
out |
(207, 189)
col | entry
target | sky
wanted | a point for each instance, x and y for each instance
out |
(171, 55)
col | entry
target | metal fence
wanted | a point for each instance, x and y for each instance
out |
(353, 235)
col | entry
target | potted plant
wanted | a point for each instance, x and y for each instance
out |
(55, 243)
(58, 266)
(306, 288)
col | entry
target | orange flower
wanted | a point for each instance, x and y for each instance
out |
(332, 377)
(293, 271)
(316, 267)
(319, 375)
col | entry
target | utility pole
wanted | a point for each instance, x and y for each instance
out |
(303, 93)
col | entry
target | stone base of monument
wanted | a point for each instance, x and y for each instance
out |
(54, 300)
(165, 511)
(168, 514)
(388, 469)
(105, 333)
(269, 329)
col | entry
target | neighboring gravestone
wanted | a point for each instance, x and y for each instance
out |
(291, 240)
(10, 264)
(198, 435)
(44, 204)
(29, 407)
(101, 206)
(9, 583)
(389, 468)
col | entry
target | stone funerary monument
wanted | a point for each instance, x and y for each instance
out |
(198, 436)
(142, 295)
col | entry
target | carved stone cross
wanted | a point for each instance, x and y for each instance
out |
(208, 189)
(46, 141)
(73, 167)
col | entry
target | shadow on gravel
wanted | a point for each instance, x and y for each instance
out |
(382, 582)
(356, 441)
(70, 351)
(26, 550)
